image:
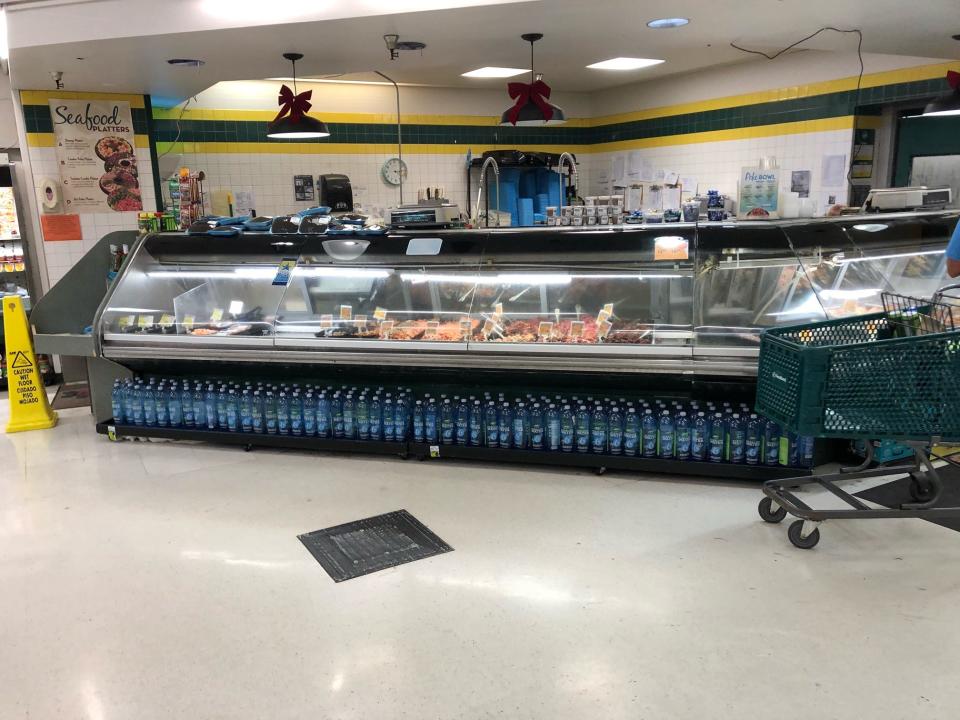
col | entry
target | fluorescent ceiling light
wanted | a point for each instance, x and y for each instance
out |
(664, 23)
(939, 113)
(624, 63)
(494, 72)
(4, 48)
(871, 258)
(256, 9)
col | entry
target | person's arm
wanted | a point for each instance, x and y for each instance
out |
(953, 253)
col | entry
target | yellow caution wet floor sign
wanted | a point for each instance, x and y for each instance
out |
(29, 409)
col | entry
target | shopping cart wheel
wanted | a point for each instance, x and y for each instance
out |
(768, 513)
(804, 543)
(920, 490)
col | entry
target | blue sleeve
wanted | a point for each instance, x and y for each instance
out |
(953, 249)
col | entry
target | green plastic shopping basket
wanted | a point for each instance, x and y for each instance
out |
(836, 379)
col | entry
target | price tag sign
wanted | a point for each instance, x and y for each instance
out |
(216, 315)
(602, 315)
(166, 320)
(490, 327)
(380, 314)
(576, 329)
(145, 321)
(466, 328)
(346, 312)
(385, 327)
(603, 328)
(361, 321)
(669, 247)
(545, 330)
(498, 309)
(326, 321)
(188, 321)
(433, 327)
(608, 309)
(127, 321)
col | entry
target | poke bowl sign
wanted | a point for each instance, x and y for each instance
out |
(96, 156)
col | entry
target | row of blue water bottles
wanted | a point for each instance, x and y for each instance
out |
(656, 429)
(344, 412)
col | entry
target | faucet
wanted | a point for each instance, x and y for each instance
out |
(483, 176)
(573, 173)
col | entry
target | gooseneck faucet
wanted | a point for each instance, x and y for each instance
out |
(483, 176)
(573, 173)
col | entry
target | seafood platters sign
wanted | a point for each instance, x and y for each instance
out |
(96, 155)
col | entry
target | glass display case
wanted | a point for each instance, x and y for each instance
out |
(671, 298)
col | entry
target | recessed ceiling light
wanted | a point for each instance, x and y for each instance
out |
(624, 63)
(667, 23)
(494, 72)
(185, 62)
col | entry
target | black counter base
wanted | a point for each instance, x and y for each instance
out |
(424, 451)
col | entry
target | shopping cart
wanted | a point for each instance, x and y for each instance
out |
(890, 375)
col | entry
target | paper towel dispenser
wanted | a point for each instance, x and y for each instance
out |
(336, 193)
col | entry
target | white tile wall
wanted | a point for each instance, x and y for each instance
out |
(61, 256)
(716, 165)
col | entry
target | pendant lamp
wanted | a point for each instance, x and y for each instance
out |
(948, 104)
(532, 107)
(292, 122)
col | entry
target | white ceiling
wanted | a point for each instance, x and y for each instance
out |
(463, 38)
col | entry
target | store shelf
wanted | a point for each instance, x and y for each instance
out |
(423, 451)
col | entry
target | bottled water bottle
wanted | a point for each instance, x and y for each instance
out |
(160, 403)
(582, 424)
(553, 427)
(186, 405)
(233, 411)
(389, 420)
(598, 430)
(754, 440)
(568, 429)
(789, 450)
(348, 409)
(615, 433)
(209, 406)
(376, 417)
(536, 419)
(667, 435)
(336, 414)
(738, 439)
(401, 419)
(519, 439)
(310, 414)
(431, 422)
(684, 437)
(136, 404)
(222, 396)
(699, 437)
(324, 423)
(419, 422)
(771, 443)
(270, 421)
(296, 413)
(116, 402)
(717, 438)
(648, 427)
(631, 432)
(362, 414)
(283, 413)
(256, 411)
(491, 425)
(246, 411)
(447, 423)
(462, 422)
(505, 422)
(476, 424)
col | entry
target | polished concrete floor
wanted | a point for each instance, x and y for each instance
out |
(159, 580)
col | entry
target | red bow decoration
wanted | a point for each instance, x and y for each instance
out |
(953, 79)
(537, 92)
(296, 105)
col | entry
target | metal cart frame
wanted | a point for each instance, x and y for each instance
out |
(926, 484)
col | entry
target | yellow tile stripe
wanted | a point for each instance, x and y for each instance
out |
(790, 128)
(325, 148)
(49, 140)
(892, 77)
(42, 97)
(366, 118)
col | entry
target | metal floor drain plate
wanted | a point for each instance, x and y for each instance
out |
(365, 546)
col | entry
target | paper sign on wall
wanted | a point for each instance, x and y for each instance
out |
(759, 193)
(96, 155)
(61, 227)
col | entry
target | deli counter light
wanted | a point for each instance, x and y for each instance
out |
(870, 258)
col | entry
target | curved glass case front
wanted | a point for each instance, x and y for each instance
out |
(664, 297)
